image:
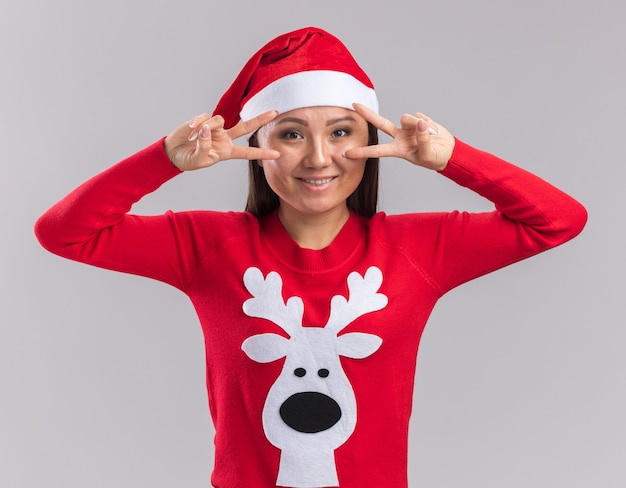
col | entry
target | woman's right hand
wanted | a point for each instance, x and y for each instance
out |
(203, 141)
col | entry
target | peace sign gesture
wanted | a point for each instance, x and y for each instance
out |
(419, 140)
(203, 141)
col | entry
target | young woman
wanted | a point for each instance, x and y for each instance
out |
(311, 303)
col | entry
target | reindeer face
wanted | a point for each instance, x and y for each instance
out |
(311, 407)
(312, 394)
(311, 373)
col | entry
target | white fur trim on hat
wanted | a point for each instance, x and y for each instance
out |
(319, 88)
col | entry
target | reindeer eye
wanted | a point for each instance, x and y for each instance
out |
(323, 373)
(299, 372)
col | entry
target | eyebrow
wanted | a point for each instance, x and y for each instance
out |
(303, 122)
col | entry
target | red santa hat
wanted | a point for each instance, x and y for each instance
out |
(305, 68)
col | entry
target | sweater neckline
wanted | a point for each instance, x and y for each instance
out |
(347, 243)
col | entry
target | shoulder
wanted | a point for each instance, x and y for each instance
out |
(409, 222)
(410, 230)
(218, 225)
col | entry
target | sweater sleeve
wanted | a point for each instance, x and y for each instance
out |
(530, 216)
(92, 224)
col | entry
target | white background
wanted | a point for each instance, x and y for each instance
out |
(521, 373)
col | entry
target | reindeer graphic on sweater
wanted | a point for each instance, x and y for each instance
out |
(310, 410)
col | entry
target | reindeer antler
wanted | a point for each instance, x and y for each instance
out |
(363, 298)
(268, 303)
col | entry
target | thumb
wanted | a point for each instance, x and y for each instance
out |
(409, 122)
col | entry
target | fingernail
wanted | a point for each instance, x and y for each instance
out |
(205, 131)
(193, 124)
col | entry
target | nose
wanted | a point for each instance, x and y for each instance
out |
(318, 155)
(310, 412)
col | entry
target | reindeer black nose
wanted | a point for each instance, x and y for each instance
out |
(310, 412)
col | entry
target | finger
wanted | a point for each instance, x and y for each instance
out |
(251, 125)
(423, 127)
(376, 120)
(195, 124)
(198, 120)
(254, 153)
(433, 128)
(204, 143)
(204, 134)
(214, 123)
(424, 142)
(376, 151)
(409, 122)
(420, 115)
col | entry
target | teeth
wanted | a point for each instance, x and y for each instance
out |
(317, 182)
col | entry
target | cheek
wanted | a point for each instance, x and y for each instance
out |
(286, 163)
(360, 171)
(274, 172)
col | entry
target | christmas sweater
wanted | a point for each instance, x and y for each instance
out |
(310, 354)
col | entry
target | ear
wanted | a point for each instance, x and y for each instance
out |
(265, 348)
(358, 345)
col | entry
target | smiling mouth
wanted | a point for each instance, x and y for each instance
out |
(318, 181)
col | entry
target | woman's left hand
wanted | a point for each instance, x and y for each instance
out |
(419, 140)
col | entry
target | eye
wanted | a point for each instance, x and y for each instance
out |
(340, 133)
(299, 372)
(290, 134)
(323, 373)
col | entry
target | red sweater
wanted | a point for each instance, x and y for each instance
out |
(303, 392)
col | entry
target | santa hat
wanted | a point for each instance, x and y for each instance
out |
(305, 68)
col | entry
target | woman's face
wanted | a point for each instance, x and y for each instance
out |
(312, 177)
